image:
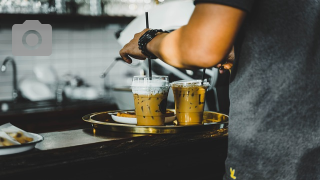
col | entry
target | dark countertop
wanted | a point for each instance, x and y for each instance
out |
(30, 107)
(90, 153)
(48, 116)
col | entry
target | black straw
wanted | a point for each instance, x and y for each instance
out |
(147, 21)
(204, 72)
(149, 60)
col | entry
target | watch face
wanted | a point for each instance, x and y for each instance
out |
(145, 39)
(148, 37)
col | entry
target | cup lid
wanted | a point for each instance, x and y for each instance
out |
(154, 81)
(187, 83)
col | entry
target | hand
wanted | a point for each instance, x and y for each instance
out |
(131, 49)
(228, 63)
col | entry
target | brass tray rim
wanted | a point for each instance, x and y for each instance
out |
(90, 120)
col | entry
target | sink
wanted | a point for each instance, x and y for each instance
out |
(9, 106)
(46, 105)
(48, 115)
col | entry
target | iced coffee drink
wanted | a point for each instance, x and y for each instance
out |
(150, 99)
(189, 97)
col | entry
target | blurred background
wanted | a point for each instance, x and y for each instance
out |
(82, 49)
(81, 7)
(85, 43)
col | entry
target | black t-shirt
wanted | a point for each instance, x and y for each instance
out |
(274, 125)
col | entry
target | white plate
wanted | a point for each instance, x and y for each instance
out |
(35, 90)
(45, 74)
(5, 150)
(127, 120)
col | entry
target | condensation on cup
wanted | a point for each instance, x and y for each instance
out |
(150, 99)
(189, 99)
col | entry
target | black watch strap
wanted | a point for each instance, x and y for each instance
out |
(145, 39)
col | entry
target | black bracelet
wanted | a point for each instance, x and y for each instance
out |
(145, 39)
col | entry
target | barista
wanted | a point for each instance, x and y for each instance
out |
(274, 83)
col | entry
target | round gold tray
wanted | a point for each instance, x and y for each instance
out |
(103, 120)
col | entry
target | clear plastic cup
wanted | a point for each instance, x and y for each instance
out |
(150, 99)
(189, 99)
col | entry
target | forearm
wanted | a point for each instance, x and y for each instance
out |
(173, 49)
(166, 47)
(203, 42)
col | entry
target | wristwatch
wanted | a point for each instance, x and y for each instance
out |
(145, 39)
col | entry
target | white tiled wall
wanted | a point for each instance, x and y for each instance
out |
(81, 50)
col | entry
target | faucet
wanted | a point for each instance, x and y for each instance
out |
(15, 92)
(60, 95)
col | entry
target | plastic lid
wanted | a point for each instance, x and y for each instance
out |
(155, 81)
(187, 83)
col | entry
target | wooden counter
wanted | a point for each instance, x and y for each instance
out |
(89, 154)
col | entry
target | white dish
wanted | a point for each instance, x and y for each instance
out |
(127, 120)
(45, 74)
(35, 90)
(5, 150)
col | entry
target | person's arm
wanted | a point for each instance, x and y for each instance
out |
(203, 42)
